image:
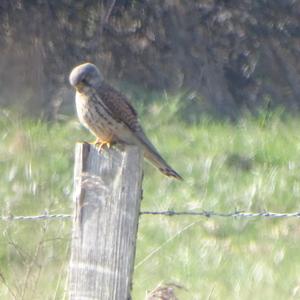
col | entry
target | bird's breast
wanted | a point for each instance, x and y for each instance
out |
(95, 116)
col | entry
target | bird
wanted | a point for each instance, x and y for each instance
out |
(109, 115)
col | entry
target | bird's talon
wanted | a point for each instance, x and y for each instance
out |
(101, 144)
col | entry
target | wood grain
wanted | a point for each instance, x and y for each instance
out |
(107, 195)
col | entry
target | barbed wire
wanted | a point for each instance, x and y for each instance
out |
(234, 214)
(169, 213)
(36, 218)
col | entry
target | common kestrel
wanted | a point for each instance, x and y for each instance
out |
(108, 114)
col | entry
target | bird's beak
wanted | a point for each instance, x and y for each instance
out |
(79, 87)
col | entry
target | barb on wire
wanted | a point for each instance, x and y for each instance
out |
(169, 213)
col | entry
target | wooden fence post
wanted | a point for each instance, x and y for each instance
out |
(107, 195)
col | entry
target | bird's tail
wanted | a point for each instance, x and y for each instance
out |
(154, 157)
(161, 164)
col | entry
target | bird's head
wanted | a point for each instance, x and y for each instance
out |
(85, 75)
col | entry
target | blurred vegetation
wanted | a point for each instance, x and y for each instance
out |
(225, 55)
(182, 63)
(250, 165)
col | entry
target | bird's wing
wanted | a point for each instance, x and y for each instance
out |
(122, 111)
(119, 106)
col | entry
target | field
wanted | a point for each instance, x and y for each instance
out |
(251, 165)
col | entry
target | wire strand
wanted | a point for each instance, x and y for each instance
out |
(168, 213)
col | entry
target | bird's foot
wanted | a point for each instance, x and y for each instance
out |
(102, 144)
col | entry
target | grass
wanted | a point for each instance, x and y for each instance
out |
(250, 165)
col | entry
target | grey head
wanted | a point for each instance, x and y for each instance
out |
(86, 74)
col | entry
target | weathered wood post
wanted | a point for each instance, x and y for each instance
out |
(107, 195)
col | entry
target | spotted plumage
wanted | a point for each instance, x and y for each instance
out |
(108, 114)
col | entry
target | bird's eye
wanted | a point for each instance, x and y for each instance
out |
(84, 81)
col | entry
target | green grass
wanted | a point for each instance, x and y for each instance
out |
(252, 165)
